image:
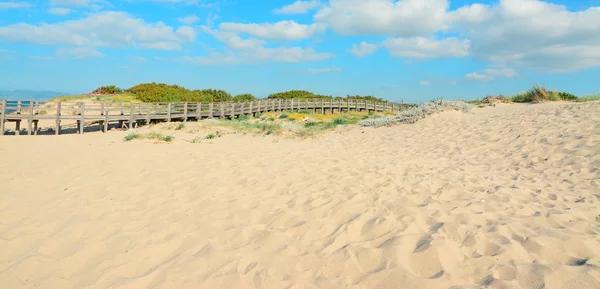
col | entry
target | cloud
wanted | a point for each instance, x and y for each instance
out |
(260, 54)
(102, 29)
(283, 30)
(74, 53)
(14, 5)
(492, 73)
(250, 50)
(138, 58)
(298, 7)
(59, 11)
(404, 18)
(501, 72)
(189, 20)
(531, 34)
(78, 52)
(478, 77)
(423, 47)
(323, 70)
(363, 49)
(424, 83)
(80, 3)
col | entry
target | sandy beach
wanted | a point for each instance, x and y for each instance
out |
(502, 197)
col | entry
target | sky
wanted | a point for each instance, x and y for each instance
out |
(411, 50)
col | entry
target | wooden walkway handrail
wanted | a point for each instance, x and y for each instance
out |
(128, 114)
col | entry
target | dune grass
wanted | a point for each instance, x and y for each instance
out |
(150, 135)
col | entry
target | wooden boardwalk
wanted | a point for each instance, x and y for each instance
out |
(128, 115)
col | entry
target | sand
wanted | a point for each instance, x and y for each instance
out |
(503, 197)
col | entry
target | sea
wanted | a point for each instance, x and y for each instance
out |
(11, 105)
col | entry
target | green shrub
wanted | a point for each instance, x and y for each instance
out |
(243, 117)
(283, 115)
(244, 97)
(339, 120)
(131, 136)
(310, 124)
(180, 126)
(168, 138)
(271, 119)
(110, 89)
(296, 94)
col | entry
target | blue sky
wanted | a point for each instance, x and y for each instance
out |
(410, 49)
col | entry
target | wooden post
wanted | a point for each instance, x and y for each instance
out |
(185, 108)
(210, 110)
(169, 105)
(122, 113)
(232, 116)
(19, 107)
(148, 109)
(30, 118)
(18, 127)
(105, 124)
(2, 117)
(198, 111)
(339, 105)
(221, 110)
(57, 132)
(35, 126)
(81, 121)
(292, 105)
(131, 115)
(331, 105)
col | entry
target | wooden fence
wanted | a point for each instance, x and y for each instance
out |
(130, 114)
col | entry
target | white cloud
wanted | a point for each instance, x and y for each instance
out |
(14, 5)
(323, 70)
(405, 18)
(532, 34)
(79, 3)
(424, 83)
(283, 30)
(363, 49)
(59, 11)
(102, 29)
(78, 52)
(189, 20)
(74, 53)
(478, 77)
(492, 73)
(422, 47)
(138, 58)
(251, 50)
(260, 54)
(500, 71)
(298, 7)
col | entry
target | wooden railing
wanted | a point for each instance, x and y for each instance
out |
(131, 113)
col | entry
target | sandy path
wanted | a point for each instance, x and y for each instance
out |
(504, 197)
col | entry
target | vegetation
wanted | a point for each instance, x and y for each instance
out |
(110, 89)
(296, 94)
(180, 126)
(149, 135)
(244, 97)
(541, 94)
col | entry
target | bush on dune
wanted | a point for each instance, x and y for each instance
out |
(541, 94)
(244, 97)
(109, 89)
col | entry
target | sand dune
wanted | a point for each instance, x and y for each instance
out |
(503, 197)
